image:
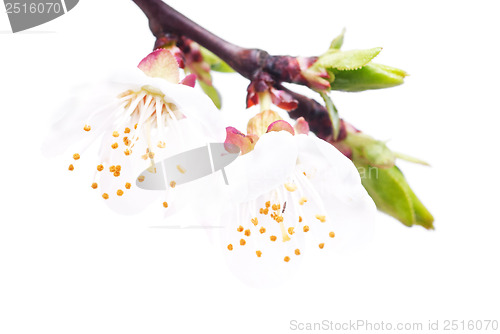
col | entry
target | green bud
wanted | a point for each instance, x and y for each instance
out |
(369, 151)
(371, 76)
(391, 193)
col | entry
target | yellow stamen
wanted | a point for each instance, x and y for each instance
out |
(127, 151)
(172, 184)
(332, 234)
(259, 253)
(135, 126)
(302, 200)
(71, 167)
(86, 127)
(306, 228)
(321, 245)
(283, 232)
(105, 196)
(119, 192)
(279, 219)
(297, 251)
(161, 144)
(255, 221)
(114, 146)
(116, 134)
(275, 207)
(262, 230)
(291, 230)
(230, 247)
(141, 178)
(240, 229)
(127, 185)
(300, 219)
(112, 169)
(268, 204)
(165, 204)
(247, 233)
(151, 155)
(321, 218)
(127, 130)
(286, 259)
(76, 156)
(100, 168)
(94, 185)
(291, 187)
(180, 169)
(242, 242)
(118, 168)
(116, 173)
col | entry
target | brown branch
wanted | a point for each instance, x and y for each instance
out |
(166, 21)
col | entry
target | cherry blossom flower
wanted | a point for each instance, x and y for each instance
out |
(292, 193)
(140, 116)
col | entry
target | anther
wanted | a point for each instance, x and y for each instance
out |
(302, 200)
(119, 192)
(254, 221)
(114, 146)
(165, 204)
(273, 238)
(172, 184)
(259, 253)
(94, 185)
(321, 218)
(306, 228)
(100, 168)
(71, 167)
(242, 242)
(116, 134)
(76, 156)
(247, 233)
(262, 230)
(286, 259)
(291, 230)
(105, 196)
(321, 245)
(86, 127)
(332, 234)
(240, 229)
(297, 251)
(230, 247)
(127, 185)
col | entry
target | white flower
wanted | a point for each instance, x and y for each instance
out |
(292, 194)
(141, 116)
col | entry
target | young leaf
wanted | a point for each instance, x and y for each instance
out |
(346, 60)
(216, 64)
(392, 195)
(333, 113)
(338, 41)
(212, 93)
(371, 76)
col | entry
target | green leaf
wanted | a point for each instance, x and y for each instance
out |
(391, 193)
(338, 41)
(333, 113)
(370, 151)
(371, 76)
(215, 62)
(346, 60)
(212, 93)
(409, 158)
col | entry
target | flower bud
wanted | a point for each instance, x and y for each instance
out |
(371, 76)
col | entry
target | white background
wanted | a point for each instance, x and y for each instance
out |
(69, 265)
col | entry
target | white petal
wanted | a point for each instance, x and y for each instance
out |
(336, 180)
(265, 168)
